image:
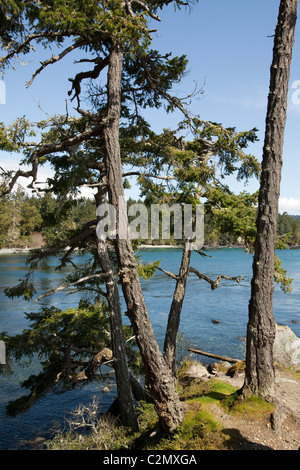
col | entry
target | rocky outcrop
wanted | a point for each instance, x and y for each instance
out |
(287, 348)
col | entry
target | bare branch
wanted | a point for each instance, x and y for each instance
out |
(51, 148)
(76, 82)
(168, 273)
(93, 366)
(214, 284)
(143, 5)
(148, 175)
(28, 39)
(86, 231)
(54, 59)
(92, 289)
(66, 286)
(203, 254)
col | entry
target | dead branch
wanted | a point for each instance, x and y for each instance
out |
(28, 39)
(87, 230)
(168, 273)
(215, 356)
(76, 82)
(90, 289)
(66, 286)
(53, 60)
(214, 284)
(203, 254)
(148, 175)
(95, 363)
(45, 149)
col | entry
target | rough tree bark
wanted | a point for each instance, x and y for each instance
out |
(260, 372)
(175, 311)
(160, 381)
(126, 404)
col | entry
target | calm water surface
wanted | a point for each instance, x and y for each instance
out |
(228, 304)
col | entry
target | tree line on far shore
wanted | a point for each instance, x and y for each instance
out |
(30, 221)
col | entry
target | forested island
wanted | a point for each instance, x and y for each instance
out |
(28, 221)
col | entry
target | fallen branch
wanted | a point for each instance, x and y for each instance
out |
(215, 356)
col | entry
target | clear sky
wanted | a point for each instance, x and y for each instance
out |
(229, 49)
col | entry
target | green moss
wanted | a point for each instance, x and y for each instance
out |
(199, 431)
(253, 408)
(237, 367)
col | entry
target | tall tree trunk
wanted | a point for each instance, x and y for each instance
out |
(259, 379)
(127, 409)
(170, 344)
(161, 383)
(175, 311)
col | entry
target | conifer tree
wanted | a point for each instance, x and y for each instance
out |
(104, 32)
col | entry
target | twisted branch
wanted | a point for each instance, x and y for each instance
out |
(215, 284)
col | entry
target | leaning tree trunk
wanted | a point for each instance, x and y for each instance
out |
(260, 374)
(126, 404)
(175, 311)
(160, 381)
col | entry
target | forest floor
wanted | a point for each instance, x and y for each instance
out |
(259, 434)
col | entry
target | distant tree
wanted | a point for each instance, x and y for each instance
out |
(289, 229)
(6, 221)
(260, 372)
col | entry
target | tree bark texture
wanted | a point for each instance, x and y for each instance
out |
(260, 373)
(175, 311)
(127, 409)
(160, 381)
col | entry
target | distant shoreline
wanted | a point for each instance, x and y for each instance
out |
(14, 251)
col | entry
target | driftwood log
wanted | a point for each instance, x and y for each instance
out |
(215, 356)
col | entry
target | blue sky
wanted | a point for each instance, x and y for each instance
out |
(229, 52)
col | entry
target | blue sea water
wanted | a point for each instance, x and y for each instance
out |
(228, 305)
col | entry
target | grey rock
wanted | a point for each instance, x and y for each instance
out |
(286, 347)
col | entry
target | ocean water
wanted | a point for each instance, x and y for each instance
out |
(228, 305)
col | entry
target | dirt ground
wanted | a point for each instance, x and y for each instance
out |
(259, 435)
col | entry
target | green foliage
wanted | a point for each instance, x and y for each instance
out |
(10, 24)
(235, 214)
(281, 278)
(52, 330)
(64, 342)
(289, 229)
(170, 169)
(24, 289)
(146, 271)
(20, 218)
(54, 218)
